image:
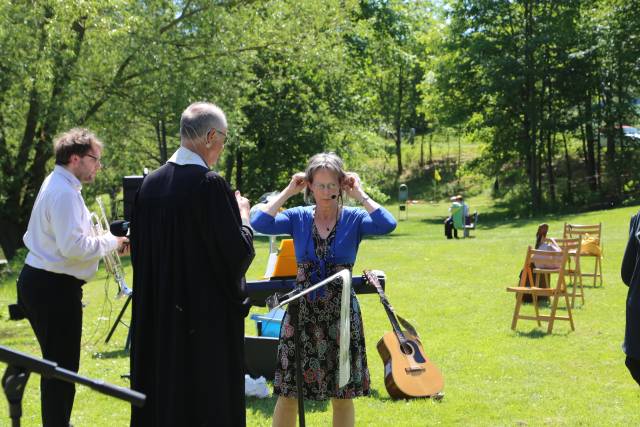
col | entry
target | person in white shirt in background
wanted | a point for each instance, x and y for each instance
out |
(63, 255)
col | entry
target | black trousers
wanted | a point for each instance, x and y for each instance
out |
(449, 230)
(53, 304)
(634, 368)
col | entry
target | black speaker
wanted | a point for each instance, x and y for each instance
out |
(16, 312)
(130, 185)
(260, 356)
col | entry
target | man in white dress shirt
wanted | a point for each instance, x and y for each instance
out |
(63, 255)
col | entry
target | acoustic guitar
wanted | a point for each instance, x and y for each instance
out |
(408, 373)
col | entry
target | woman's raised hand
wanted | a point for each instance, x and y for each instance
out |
(351, 185)
(297, 184)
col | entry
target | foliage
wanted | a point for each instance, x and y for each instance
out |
(285, 72)
(386, 44)
(542, 87)
(533, 75)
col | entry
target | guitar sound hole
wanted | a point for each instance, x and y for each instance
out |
(406, 349)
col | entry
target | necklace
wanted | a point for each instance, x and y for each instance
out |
(328, 228)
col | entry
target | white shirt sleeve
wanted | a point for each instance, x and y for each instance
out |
(72, 229)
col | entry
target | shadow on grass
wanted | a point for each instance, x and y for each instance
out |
(262, 406)
(113, 354)
(534, 333)
(375, 394)
(492, 219)
(507, 215)
(388, 236)
(266, 406)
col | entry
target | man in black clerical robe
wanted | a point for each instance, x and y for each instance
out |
(630, 272)
(191, 247)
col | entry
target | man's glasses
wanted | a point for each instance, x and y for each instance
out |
(320, 186)
(218, 131)
(97, 159)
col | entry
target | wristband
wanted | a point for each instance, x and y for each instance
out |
(364, 199)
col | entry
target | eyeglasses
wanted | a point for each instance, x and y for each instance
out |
(97, 159)
(218, 131)
(321, 186)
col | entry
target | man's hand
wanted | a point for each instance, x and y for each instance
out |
(123, 246)
(243, 205)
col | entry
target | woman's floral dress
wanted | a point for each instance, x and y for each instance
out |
(319, 317)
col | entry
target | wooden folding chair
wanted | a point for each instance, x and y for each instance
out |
(572, 231)
(527, 286)
(572, 271)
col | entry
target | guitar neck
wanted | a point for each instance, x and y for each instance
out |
(371, 278)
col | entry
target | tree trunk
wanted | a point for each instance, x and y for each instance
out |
(530, 121)
(599, 160)
(610, 155)
(113, 198)
(567, 160)
(399, 120)
(229, 159)
(590, 143)
(421, 153)
(161, 138)
(550, 174)
(540, 162)
(239, 169)
(11, 236)
(45, 119)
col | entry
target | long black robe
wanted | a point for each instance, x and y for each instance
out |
(189, 253)
(630, 272)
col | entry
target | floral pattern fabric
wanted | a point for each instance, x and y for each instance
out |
(319, 317)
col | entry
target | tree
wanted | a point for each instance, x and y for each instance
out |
(530, 70)
(119, 67)
(386, 44)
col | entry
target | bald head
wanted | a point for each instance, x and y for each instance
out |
(198, 119)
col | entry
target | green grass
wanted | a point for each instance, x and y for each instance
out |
(454, 293)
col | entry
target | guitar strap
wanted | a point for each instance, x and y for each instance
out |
(408, 326)
(386, 303)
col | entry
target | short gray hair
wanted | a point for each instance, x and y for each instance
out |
(198, 119)
(329, 161)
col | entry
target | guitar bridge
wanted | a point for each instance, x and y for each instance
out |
(413, 369)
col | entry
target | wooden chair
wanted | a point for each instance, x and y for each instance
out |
(527, 286)
(572, 231)
(573, 247)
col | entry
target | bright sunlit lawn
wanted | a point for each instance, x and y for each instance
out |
(453, 291)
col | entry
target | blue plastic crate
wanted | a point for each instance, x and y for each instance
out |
(269, 322)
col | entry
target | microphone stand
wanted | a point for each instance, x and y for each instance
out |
(20, 365)
(118, 321)
(294, 304)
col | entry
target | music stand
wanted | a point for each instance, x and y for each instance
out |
(292, 301)
(20, 365)
(118, 321)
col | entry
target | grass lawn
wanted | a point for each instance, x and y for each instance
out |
(454, 294)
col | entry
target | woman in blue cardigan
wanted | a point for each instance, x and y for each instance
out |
(326, 238)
